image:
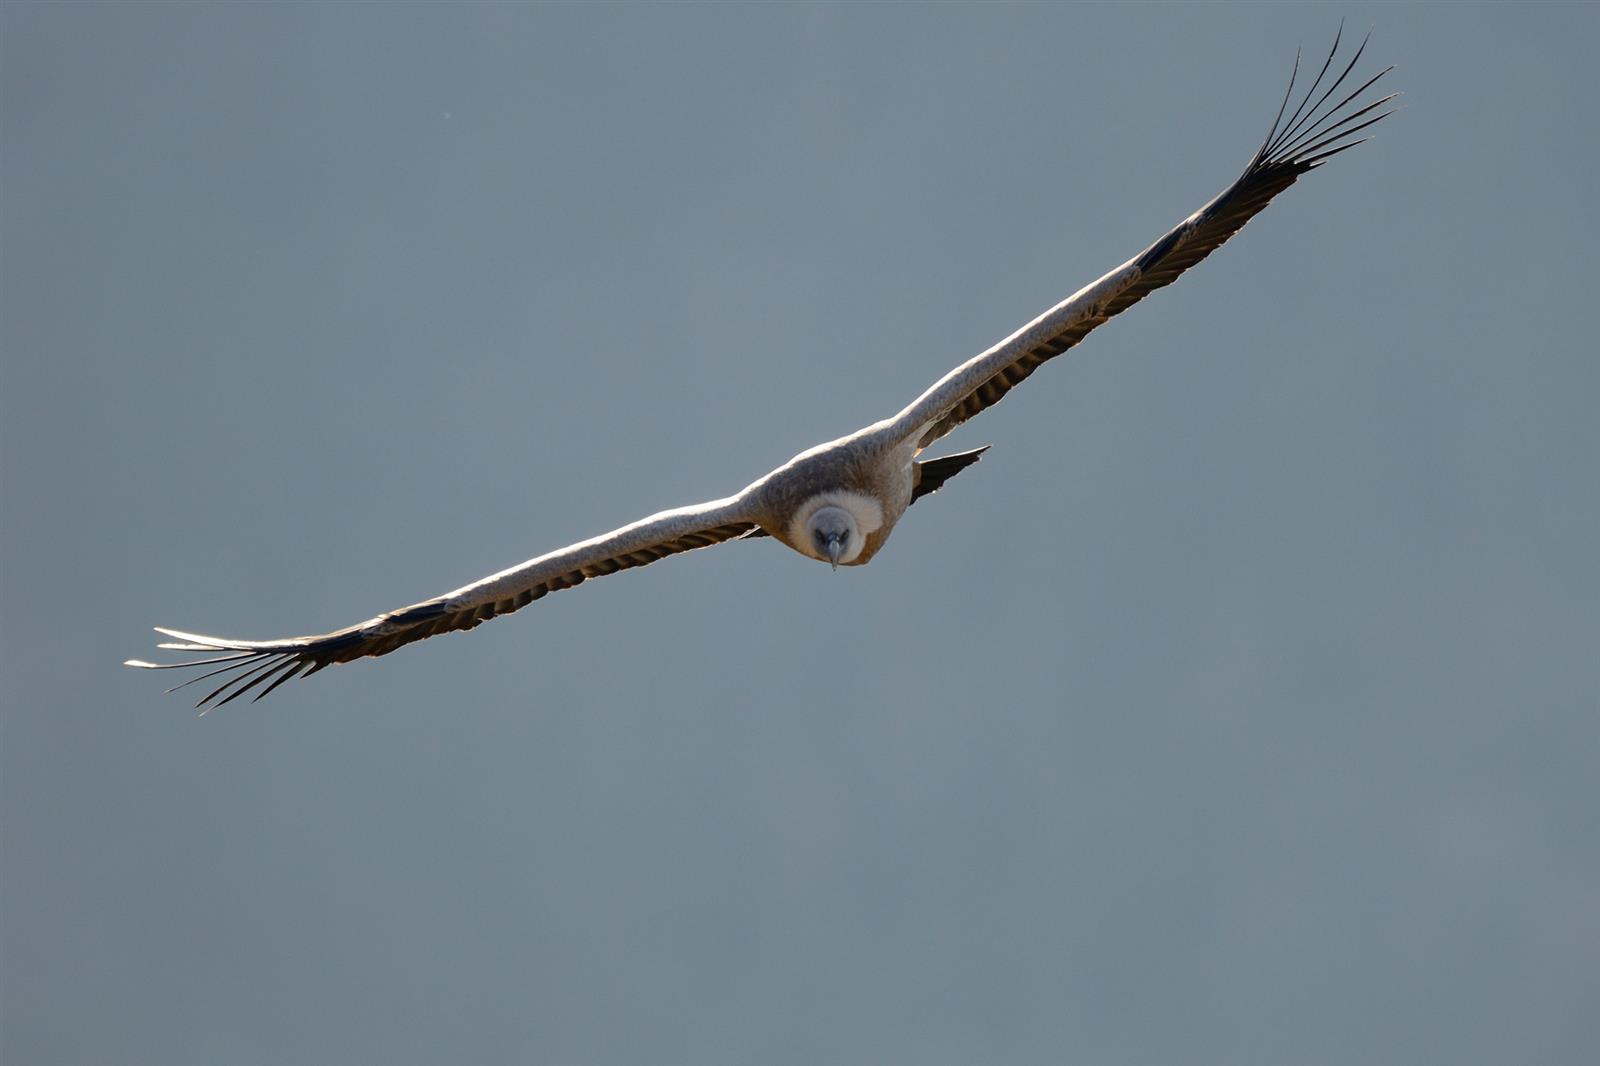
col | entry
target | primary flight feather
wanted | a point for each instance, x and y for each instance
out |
(839, 501)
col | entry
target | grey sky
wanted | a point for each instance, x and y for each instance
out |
(1240, 707)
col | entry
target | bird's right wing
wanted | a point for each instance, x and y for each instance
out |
(1311, 134)
(246, 664)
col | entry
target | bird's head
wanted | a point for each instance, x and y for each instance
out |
(833, 534)
(834, 526)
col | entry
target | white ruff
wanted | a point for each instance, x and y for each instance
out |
(864, 510)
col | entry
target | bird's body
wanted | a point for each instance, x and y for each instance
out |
(869, 476)
(837, 502)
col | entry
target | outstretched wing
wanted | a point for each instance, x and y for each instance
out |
(1313, 133)
(244, 665)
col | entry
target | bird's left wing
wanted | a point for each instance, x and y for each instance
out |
(245, 665)
(1315, 131)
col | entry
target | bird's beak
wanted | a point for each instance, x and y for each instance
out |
(834, 549)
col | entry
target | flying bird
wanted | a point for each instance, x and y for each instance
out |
(837, 502)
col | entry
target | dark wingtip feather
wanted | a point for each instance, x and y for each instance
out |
(1314, 129)
(288, 672)
(238, 684)
(243, 665)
